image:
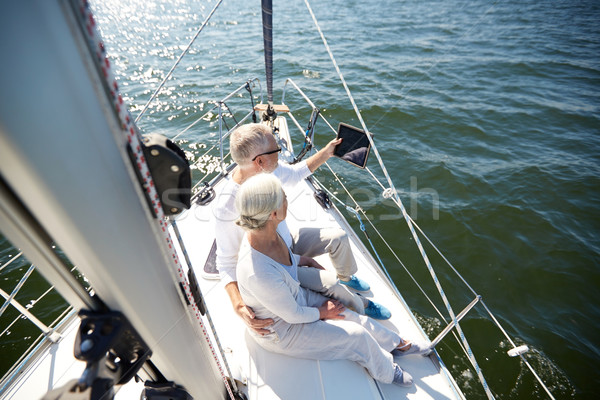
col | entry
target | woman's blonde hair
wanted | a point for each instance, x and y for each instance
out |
(256, 199)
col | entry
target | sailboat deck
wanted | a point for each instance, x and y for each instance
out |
(269, 375)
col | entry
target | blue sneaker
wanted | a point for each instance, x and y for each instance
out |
(356, 284)
(377, 311)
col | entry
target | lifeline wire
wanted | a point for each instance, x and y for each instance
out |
(404, 213)
(492, 316)
(177, 62)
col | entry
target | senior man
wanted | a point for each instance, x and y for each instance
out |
(255, 150)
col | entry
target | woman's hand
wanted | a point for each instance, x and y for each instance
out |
(257, 325)
(331, 309)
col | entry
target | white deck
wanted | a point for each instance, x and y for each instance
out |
(264, 375)
(272, 376)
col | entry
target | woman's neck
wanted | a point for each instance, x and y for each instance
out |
(268, 242)
(264, 237)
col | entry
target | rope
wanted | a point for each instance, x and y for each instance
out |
(183, 53)
(404, 213)
(130, 131)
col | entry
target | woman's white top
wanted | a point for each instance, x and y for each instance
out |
(270, 289)
(229, 235)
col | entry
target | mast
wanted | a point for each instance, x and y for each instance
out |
(67, 162)
(267, 18)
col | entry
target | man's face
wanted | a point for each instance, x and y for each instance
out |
(270, 160)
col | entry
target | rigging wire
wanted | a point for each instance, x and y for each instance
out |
(492, 316)
(386, 193)
(33, 303)
(391, 193)
(209, 112)
(183, 53)
(16, 290)
(404, 213)
(361, 210)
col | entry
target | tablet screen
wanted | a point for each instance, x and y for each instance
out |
(355, 145)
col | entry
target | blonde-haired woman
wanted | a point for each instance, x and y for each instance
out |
(306, 324)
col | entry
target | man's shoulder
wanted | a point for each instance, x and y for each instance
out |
(291, 173)
(224, 204)
(282, 168)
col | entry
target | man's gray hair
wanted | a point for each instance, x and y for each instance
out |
(256, 199)
(247, 141)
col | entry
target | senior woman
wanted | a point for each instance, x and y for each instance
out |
(306, 324)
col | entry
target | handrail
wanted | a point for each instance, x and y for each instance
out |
(49, 332)
(21, 363)
(11, 260)
(391, 193)
(16, 290)
(223, 100)
(454, 323)
(299, 91)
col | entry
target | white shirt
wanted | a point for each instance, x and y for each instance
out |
(229, 235)
(271, 291)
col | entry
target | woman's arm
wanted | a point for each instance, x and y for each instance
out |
(271, 290)
(246, 313)
(309, 262)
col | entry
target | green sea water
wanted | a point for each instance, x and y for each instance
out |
(487, 115)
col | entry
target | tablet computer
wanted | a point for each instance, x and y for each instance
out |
(355, 146)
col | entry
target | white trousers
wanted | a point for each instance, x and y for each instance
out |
(326, 283)
(356, 338)
(314, 241)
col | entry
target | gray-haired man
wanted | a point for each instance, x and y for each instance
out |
(255, 150)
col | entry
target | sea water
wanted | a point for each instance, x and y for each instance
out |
(487, 117)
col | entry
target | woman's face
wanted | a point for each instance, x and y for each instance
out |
(282, 211)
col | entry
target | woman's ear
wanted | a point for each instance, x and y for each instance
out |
(276, 215)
